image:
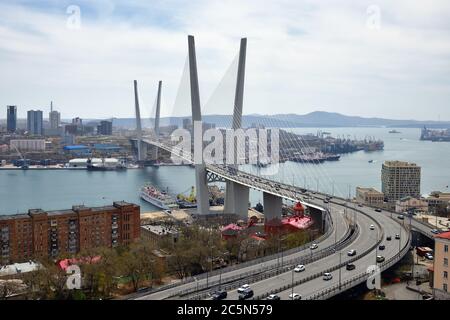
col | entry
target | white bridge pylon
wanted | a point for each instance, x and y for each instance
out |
(236, 194)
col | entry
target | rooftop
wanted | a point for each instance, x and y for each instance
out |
(444, 235)
(17, 268)
(369, 189)
(73, 210)
(396, 163)
(160, 230)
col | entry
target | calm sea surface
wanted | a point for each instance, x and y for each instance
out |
(53, 189)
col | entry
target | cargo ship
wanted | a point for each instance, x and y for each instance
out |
(374, 146)
(158, 198)
(435, 135)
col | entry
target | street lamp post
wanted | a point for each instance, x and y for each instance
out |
(293, 283)
(340, 268)
(196, 283)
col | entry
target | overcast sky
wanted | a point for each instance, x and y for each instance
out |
(370, 58)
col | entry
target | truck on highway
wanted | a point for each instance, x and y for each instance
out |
(422, 251)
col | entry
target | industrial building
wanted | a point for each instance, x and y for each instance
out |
(28, 145)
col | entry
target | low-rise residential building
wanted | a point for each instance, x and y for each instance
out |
(407, 204)
(370, 197)
(438, 201)
(157, 233)
(441, 267)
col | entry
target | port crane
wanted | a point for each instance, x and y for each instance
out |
(24, 162)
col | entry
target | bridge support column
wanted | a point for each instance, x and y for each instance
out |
(142, 151)
(201, 182)
(236, 196)
(272, 207)
(155, 152)
(236, 199)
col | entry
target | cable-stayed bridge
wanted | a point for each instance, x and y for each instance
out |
(345, 225)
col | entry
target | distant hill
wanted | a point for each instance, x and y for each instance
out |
(313, 119)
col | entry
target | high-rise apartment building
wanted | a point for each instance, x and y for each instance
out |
(35, 122)
(54, 118)
(105, 128)
(400, 179)
(77, 121)
(11, 118)
(52, 233)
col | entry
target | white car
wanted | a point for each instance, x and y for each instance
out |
(372, 227)
(327, 276)
(299, 268)
(243, 288)
(314, 246)
(295, 296)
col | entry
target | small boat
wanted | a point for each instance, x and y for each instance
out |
(394, 131)
(370, 161)
(333, 157)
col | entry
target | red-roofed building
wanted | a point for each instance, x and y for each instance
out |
(230, 231)
(65, 263)
(444, 235)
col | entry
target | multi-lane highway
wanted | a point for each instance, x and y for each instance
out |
(339, 231)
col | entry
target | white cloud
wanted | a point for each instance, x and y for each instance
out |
(302, 56)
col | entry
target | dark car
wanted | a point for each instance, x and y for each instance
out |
(247, 294)
(219, 295)
(380, 259)
(381, 247)
(378, 210)
(350, 266)
(388, 238)
(401, 217)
